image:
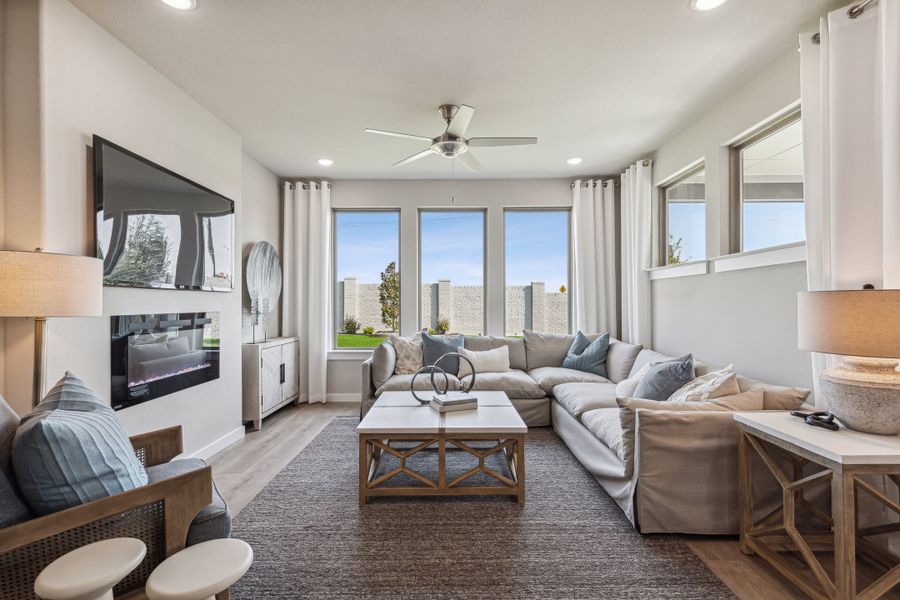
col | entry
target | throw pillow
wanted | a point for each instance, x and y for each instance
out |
(71, 449)
(409, 353)
(776, 397)
(487, 361)
(705, 387)
(588, 356)
(627, 387)
(12, 506)
(663, 378)
(434, 346)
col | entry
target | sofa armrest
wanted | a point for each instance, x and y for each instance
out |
(368, 386)
(159, 514)
(158, 447)
(685, 471)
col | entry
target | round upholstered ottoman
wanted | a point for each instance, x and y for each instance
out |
(90, 572)
(200, 572)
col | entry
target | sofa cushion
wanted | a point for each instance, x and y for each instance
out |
(435, 346)
(604, 423)
(578, 398)
(775, 397)
(705, 387)
(486, 361)
(585, 355)
(516, 383)
(409, 353)
(550, 377)
(12, 506)
(546, 349)
(620, 359)
(400, 383)
(384, 362)
(664, 378)
(71, 449)
(214, 520)
(480, 343)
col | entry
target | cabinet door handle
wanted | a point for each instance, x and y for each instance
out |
(282, 372)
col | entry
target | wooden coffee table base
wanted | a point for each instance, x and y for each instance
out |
(372, 447)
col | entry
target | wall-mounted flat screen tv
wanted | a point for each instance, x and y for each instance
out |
(155, 228)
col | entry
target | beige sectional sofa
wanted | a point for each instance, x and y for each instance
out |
(674, 471)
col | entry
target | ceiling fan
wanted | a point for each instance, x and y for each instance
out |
(453, 143)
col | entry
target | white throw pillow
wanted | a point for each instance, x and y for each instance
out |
(707, 387)
(627, 387)
(487, 361)
(409, 353)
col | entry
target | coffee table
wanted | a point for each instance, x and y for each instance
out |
(397, 417)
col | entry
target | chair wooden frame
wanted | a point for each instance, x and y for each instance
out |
(182, 497)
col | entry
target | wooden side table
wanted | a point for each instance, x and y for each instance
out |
(843, 457)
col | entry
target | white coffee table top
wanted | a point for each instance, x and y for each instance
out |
(844, 446)
(89, 570)
(399, 412)
(200, 571)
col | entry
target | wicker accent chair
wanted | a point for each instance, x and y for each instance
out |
(159, 513)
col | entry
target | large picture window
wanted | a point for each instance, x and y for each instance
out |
(684, 218)
(451, 271)
(769, 186)
(536, 251)
(367, 290)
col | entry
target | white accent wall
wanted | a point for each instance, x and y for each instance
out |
(748, 316)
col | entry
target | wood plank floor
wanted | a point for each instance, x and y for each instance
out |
(241, 471)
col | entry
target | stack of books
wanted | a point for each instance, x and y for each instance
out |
(454, 401)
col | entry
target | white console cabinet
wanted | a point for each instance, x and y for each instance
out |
(270, 376)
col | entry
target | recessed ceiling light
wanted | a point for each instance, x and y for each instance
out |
(326, 162)
(574, 161)
(702, 5)
(182, 4)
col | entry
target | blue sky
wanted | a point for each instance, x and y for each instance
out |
(453, 246)
(773, 224)
(687, 220)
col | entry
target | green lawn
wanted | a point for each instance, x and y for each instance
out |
(359, 340)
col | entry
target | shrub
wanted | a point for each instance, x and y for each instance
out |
(351, 325)
(369, 330)
(442, 327)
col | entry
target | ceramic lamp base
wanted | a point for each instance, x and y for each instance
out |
(864, 394)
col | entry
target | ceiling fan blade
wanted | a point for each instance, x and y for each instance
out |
(470, 161)
(407, 136)
(460, 121)
(414, 157)
(501, 141)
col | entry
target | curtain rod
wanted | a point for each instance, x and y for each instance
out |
(858, 9)
(594, 181)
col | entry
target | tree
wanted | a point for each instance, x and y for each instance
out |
(676, 247)
(146, 258)
(389, 296)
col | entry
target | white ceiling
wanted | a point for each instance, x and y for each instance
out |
(607, 80)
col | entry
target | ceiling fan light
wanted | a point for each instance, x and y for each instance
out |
(575, 160)
(181, 4)
(704, 5)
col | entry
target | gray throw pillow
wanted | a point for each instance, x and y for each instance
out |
(12, 506)
(588, 356)
(71, 449)
(664, 378)
(434, 346)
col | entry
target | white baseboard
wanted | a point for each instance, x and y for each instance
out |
(343, 397)
(209, 450)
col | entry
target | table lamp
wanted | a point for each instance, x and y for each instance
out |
(863, 326)
(43, 284)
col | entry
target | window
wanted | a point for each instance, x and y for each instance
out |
(769, 187)
(366, 264)
(684, 218)
(451, 271)
(536, 251)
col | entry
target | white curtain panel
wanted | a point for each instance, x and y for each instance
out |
(594, 229)
(637, 244)
(307, 280)
(850, 89)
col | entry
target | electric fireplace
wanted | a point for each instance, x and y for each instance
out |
(159, 354)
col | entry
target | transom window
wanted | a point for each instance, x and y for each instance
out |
(366, 264)
(536, 251)
(769, 186)
(684, 218)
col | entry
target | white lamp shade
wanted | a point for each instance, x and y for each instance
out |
(850, 322)
(43, 284)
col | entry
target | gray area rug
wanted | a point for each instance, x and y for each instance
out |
(570, 540)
